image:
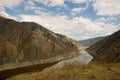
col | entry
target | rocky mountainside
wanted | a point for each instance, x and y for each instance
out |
(90, 41)
(27, 42)
(106, 50)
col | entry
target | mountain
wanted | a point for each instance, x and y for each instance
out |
(28, 43)
(90, 41)
(106, 50)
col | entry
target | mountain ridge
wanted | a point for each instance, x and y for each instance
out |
(90, 41)
(28, 41)
(106, 50)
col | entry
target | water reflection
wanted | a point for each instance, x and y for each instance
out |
(83, 58)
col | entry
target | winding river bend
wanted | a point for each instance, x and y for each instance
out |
(83, 58)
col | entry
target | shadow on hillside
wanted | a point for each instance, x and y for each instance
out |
(33, 68)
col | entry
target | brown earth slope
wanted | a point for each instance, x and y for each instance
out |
(106, 50)
(29, 42)
(75, 72)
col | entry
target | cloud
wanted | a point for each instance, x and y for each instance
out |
(78, 1)
(51, 2)
(4, 14)
(31, 3)
(76, 28)
(56, 2)
(10, 3)
(107, 7)
(77, 10)
(33, 8)
(2, 9)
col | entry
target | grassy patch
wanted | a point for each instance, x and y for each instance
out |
(76, 72)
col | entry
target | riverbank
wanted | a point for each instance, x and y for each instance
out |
(9, 70)
(83, 59)
(76, 72)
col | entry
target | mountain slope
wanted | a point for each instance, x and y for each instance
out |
(106, 50)
(29, 42)
(90, 41)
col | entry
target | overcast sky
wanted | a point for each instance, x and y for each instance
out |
(78, 19)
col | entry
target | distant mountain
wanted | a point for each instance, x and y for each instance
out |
(29, 42)
(106, 50)
(90, 41)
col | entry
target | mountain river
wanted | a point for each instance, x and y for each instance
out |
(83, 58)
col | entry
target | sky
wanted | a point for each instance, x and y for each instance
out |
(77, 19)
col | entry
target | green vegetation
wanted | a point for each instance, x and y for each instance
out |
(33, 27)
(70, 42)
(76, 72)
(61, 36)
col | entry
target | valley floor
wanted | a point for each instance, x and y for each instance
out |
(75, 71)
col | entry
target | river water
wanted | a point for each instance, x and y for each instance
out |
(83, 58)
